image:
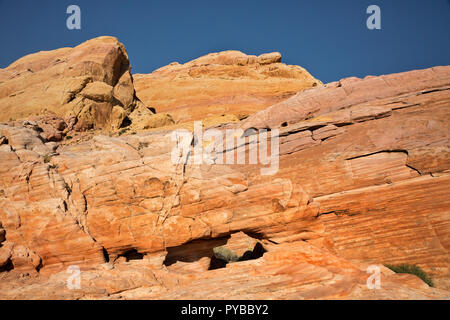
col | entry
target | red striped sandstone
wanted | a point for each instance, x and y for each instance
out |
(363, 179)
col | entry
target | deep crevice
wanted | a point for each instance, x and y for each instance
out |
(39, 267)
(318, 126)
(412, 168)
(255, 235)
(382, 151)
(343, 124)
(433, 90)
(105, 254)
(71, 98)
(132, 254)
(7, 267)
(125, 123)
(327, 138)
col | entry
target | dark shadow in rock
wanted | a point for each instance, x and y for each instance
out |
(258, 252)
(132, 254)
(217, 263)
(193, 250)
(7, 267)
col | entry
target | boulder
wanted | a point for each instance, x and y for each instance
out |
(142, 118)
(83, 83)
(98, 91)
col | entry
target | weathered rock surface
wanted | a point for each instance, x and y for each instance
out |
(363, 180)
(88, 83)
(142, 118)
(223, 83)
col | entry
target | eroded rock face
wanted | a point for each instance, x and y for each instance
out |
(142, 118)
(88, 83)
(362, 180)
(223, 83)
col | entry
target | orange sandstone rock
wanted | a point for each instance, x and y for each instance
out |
(86, 83)
(362, 180)
(228, 82)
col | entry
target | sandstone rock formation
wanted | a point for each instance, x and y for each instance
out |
(223, 83)
(89, 86)
(142, 118)
(363, 180)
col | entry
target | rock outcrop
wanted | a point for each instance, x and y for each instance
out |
(362, 179)
(89, 86)
(227, 83)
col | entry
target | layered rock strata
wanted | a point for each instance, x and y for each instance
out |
(362, 179)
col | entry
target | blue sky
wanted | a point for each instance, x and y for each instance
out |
(328, 38)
